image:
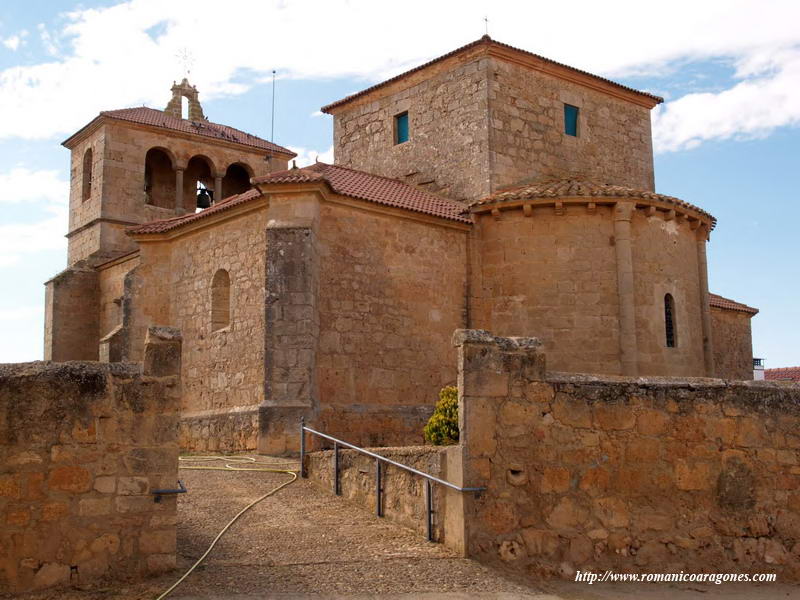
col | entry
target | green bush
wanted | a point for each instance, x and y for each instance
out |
(442, 427)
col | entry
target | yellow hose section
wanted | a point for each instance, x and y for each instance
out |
(229, 462)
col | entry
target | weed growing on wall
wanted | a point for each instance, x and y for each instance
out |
(442, 427)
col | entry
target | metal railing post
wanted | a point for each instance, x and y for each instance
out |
(302, 447)
(378, 491)
(429, 508)
(336, 489)
(379, 460)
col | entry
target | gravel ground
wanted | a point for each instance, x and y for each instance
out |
(306, 543)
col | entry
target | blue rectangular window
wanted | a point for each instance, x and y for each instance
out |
(571, 120)
(401, 128)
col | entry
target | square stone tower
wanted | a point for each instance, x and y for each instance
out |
(136, 165)
(487, 116)
(133, 166)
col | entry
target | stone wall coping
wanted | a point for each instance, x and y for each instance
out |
(165, 334)
(111, 334)
(215, 412)
(666, 381)
(68, 370)
(391, 451)
(481, 336)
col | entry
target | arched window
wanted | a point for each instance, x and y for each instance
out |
(86, 181)
(236, 180)
(159, 179)
(669, 321)
(198, 180)
(220, 300)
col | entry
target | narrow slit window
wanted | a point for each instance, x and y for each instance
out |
(571, 120)
(401, 128)
(86, 180)
(220, 300)
(669, 320)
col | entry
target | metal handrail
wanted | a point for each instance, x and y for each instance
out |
(378, 460)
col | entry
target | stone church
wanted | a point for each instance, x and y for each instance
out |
(490, 188)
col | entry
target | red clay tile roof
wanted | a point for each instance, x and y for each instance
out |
(728, 304)
(488, 41)
(344, 181)
(782, 374)
(373, 188)
(158, 118)
(570, 188)
(168, 224)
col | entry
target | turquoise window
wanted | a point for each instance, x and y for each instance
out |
(401, 128)
(571, 120)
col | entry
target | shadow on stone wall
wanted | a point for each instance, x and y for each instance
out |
(82, 447)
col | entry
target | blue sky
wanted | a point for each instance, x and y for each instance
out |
(727, 138)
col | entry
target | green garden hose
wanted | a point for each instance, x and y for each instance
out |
(229, 462)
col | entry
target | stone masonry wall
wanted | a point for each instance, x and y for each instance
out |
(733, 343)
(632, 475)
(553, 276)
(447, 149)
(222, 369)
(82, 446)
(72, 320)
(391, 292)
(479, 123)
(403, 493)
(665, 262)
(111, 280)
(527, 138)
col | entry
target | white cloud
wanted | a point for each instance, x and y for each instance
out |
(49, 42)
(41, 190)
(12, 43)
(125, 55)
(751, 108)
(308, 156)
(21, 184)
(19, 239)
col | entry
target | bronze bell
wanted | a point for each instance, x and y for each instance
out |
(203, 198)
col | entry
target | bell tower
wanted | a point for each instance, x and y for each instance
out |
(134, 166)
(185, 90)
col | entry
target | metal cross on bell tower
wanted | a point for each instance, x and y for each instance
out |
(186, 58)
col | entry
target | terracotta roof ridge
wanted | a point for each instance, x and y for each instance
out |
(782, 369)
(488, 41)
(729, 304)
(392, 179)
(205, 120)
(163, 225)
(154, 117)
(299, 172)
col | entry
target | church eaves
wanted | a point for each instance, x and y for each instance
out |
(158, 118)
(536, 60)
(573, 188)
(718, 301)
(373, 188)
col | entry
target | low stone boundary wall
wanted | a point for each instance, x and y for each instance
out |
(403, 492)
(223, 430)
(362, 425)
(627, 474)
(82, 445)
